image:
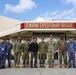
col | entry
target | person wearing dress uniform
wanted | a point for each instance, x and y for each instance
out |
(3, 53)
(71, 49)
(9, 48)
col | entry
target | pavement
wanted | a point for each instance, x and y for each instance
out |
(38, 71)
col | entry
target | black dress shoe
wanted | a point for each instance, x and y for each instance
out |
(9, 66)
(0, 67)
(31, 66)
(69, 66)
(35, 67)
(74, 67)
(3, 67)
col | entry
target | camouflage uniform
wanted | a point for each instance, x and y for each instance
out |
(51, 51)
(42, 50)
(62, 45)
(17, 53)
(25, 57)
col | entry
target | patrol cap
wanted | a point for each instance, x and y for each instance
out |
(25, 39)
(19, 38)
(42, 37)
(61, 35)
(51, 35)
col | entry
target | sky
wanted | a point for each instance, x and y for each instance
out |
(39, 10)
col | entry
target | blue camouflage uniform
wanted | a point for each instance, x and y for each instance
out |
(71, 48)
(3, 51)
(9, 47)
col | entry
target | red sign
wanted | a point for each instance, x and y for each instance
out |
(47, 25)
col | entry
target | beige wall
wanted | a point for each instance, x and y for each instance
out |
(8, 25)
(6, 22)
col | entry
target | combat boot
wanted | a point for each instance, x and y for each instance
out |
(40, 65)
(49, 66)
(43, 66)
(60, 66)
(52, 66)
(27, 65)
(65, 65)
(23, 66)
(17, 66)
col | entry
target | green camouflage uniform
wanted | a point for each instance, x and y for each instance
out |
(17, 52)
(62, 45)
(51, 50)
(25, 57)
(42, 50)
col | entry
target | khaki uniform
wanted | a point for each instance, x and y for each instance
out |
(42, 50)
(25, 57)
(62, 45)
(17, 53)
(51, 50)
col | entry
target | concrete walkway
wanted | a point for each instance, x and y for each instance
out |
(38, 71)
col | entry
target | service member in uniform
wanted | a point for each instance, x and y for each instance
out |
(9, 48)
(3, 53)
(34, 51)
(71, 49)
(17, 52)
(51, 51)
(62, 45)
(42, 52)
(25, 53)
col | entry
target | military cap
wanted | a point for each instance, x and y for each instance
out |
(61, 35)
(19, 38)
(25, 39)
(42, 37)
(51, 35)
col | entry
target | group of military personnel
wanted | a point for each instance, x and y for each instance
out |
(43, 49)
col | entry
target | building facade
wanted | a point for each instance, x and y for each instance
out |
(13, 28)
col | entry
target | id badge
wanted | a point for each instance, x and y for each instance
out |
(2, 49)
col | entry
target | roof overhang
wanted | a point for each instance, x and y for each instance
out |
(37, 27)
